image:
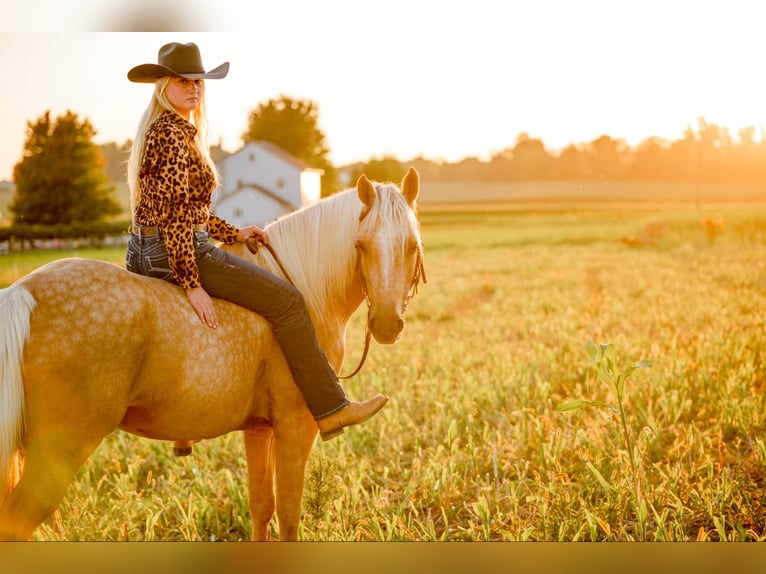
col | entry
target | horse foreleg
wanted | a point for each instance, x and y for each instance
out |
(259, 447)
(293, 447)
(49, 466)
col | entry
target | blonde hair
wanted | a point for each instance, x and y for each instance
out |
(158, 105)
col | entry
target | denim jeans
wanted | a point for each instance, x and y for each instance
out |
(235, 279)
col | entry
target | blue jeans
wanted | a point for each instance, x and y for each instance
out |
(226, 276)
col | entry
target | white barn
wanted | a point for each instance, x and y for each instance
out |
(262, 182)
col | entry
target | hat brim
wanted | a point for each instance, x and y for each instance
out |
(149, 73)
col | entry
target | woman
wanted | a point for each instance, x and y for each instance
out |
(172, 179)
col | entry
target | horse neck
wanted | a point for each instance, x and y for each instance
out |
(316, 246)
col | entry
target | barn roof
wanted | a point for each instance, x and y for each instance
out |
(280, 153)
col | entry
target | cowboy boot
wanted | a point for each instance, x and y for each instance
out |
(352, 414)
(182, 448)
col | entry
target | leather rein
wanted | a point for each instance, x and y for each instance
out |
(253, 243)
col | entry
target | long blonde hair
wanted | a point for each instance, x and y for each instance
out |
(158, 105)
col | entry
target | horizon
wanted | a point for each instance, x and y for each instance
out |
(553, 152)
(393, 84)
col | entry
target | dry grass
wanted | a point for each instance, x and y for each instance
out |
(472, 445)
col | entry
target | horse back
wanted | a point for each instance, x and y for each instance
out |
(133, 347)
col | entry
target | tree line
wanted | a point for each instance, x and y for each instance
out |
(706, 153)
(64, 178)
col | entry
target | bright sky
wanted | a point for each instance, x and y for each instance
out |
(445, 80)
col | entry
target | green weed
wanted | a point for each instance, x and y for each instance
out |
(603, 358)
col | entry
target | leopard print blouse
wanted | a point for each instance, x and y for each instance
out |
(176, 189)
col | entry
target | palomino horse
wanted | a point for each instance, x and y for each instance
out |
(87, 347)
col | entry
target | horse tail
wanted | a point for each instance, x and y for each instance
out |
(16, 305)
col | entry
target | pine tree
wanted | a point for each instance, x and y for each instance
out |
(61, 177)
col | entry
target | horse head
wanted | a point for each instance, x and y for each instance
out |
(389, 252)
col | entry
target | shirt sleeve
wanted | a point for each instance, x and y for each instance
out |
(167, 178)
(221, 229)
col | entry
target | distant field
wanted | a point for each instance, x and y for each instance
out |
(588, 194)
(18, 263)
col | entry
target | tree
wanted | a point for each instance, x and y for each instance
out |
(745, 164)
(530, 158)
(60, 178)
(649, 160)
(293, 125)
(714, 144)
(385, 169)
(571, 163)
(116, 157)
(467, 169)
(606, 156)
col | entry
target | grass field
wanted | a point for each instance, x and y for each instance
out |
(473, 445)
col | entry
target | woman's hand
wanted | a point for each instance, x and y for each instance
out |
(203, 305)
(252, 231)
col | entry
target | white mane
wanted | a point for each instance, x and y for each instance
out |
(316, 246)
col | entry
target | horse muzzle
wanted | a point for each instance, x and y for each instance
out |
(386, 329)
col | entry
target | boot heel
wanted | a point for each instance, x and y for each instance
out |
(182, 448)
(183, 451)
(351, 414)
(329, 435)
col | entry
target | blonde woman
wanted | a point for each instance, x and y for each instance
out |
(172, 178)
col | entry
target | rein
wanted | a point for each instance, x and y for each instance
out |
(252, 246)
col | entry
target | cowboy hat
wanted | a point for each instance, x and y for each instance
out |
(176, 59)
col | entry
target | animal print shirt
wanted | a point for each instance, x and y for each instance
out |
(176, 188)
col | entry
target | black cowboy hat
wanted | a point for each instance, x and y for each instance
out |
(176, 59)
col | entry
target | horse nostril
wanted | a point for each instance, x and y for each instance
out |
(392, 328)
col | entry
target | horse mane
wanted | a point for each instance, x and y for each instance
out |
(316, 243)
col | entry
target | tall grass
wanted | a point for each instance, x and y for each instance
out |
(472, 445)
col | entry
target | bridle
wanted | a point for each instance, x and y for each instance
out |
(253, 242)
(420, 273)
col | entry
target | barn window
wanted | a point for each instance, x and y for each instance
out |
(251, 157)
(238, 212)
(280, 183)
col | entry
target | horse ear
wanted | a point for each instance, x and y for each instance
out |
(365, 190)
(411, 186)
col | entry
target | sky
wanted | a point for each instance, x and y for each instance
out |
(405, 78)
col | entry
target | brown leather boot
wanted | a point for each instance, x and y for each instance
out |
(182, 447)
(352, 414)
